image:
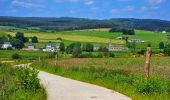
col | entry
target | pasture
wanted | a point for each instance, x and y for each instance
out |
(7, 54)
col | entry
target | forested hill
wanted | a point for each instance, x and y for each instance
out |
(68, 23)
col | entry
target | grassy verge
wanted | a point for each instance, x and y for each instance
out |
(20, 84)
(120, 74)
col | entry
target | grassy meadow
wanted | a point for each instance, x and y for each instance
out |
(29, 55)
(124, 75)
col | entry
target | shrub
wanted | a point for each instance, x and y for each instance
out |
(16, 56)
(153, 85)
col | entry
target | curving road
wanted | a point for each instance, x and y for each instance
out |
(59, 88)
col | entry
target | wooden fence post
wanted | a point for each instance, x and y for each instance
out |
(147, 63)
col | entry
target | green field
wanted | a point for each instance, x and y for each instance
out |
(125, 75)
(7, 54)
(98, 37)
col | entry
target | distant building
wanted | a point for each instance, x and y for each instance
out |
(30, 48)
(58, 46)
(116, 47)
(119, 38)
(49, 48)
(6, 45)
(164, 32)
(136, 40)
(96, 47)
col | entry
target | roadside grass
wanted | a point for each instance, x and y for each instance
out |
(120, 74)
(20, 84)
(30, 55)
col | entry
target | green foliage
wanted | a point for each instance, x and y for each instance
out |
(88, 47)
(16, 56)
(18, 44)
(152, 85)
(128, 31)
(161, 45)
(62, 47)
(34, 39)
(20, 36)
(70, 48)
(59, 38)
(76, 52)
(28, 79)
(167, 49)
(19, 84)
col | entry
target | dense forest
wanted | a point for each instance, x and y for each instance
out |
(68, 23)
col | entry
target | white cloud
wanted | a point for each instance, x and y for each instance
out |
(149, 9)
(72, 1)
(25, 4)
(88, 2)
(126, 9)
(155, 2)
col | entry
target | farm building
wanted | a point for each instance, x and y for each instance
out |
(30, 48)
(57, 46)
(96, 47)
(136, 40)
(119, 38)
(49, 48)
(6, 45)
(116, 47)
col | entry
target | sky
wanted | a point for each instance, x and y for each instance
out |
(93, 9)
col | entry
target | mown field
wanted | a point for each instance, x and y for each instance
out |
(125, 75)
(20, 84)
(32, 55)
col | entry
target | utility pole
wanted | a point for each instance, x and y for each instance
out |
(147, 63)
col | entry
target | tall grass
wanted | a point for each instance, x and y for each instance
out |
(20, 84)
(122, 75)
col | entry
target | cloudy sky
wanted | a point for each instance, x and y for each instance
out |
(95, 9)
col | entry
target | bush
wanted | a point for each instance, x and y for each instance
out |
(16, 56)
(153, 85)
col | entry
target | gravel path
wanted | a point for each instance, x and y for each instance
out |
(59, 88)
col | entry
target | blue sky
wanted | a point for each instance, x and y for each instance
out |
(95, 9)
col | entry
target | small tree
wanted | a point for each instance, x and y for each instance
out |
(62, 47)
(21, 37)
(89, 47)
(77, 52)
(167, 49)
(149, 45)
(34, 39)
(16, 56)
(161, 45)
(17, 43)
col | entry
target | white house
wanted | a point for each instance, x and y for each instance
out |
(57, 46)
(164, 32)
(6, 45)
(112, 47)
(119, 38)
(49, 48)
(30, 48)
(136, 40)
(96, 47)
